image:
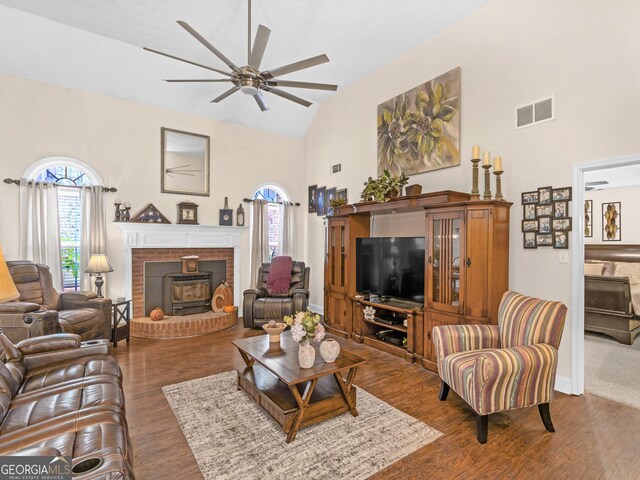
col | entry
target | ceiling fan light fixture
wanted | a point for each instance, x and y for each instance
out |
(249, 85)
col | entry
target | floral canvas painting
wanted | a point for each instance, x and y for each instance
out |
(419, 131)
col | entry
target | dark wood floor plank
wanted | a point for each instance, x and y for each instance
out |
(595, 438)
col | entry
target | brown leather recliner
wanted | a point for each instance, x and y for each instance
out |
(60, 396)
(41, 310)
(260, 305)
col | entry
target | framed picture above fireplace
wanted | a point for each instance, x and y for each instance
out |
(184, 163)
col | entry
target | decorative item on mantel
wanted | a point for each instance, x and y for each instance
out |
(122, 211)
(240, 216)
(149, 214)
(187, 213)
(306, 326)
(415, 189)
(486, 164)
(226, 214)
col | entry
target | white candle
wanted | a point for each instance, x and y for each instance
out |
(497, 164)
(486, 159)
(475, 152)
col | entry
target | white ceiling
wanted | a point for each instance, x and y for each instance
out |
(103, 52)
(618, 177)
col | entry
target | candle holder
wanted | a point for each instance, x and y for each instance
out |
(475, 192)
(497, 173)
(487, 182)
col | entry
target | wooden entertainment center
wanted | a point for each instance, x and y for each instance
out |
(466, 271)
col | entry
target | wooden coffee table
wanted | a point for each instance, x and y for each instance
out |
(296, 397)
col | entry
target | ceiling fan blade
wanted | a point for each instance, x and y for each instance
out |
(186, 61)
(232, 90)
(260, 101)
(200, 80)
(288, 96)
(294, 67)
(208, 45)
(316, 86)
(259, 46)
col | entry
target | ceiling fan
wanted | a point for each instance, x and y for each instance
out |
(249, 79)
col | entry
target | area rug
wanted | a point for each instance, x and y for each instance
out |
(612, 370)
(231, 437)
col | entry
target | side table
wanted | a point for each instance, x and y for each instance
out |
(121, 314)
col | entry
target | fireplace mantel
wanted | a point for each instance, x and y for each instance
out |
(145, 235)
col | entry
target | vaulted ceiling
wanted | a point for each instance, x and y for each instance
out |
(95, 45)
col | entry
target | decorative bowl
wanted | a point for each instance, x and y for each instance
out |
(274, 332)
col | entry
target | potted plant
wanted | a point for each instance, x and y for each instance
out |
(384, 187)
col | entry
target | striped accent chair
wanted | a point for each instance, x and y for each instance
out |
(501, 367)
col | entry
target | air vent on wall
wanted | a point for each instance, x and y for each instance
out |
(536, 112)
(336, 168)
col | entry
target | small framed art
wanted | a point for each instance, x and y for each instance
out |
(530, 240)
(611, 222)
(529, 197)
(561, 239)
(312, 198)
(544, 239)
(559, 194)
(588, 218)
(562, 224)
(530, 225)
(561, 209)
(545, 195)
(321, 201)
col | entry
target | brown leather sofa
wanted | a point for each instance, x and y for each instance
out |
(60, 396)
(41, 310)
(261, 305)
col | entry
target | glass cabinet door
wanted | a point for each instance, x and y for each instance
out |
(445, 253)
(337, 254)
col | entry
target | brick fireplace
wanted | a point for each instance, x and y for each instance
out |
(141, 255)
(166, 242)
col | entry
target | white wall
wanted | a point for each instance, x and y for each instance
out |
(629, 214)
(121, 140)
(510, 52)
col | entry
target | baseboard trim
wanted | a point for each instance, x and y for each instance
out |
(563, 385)
(317, 309)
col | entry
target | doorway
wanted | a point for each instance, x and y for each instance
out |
(623, 172)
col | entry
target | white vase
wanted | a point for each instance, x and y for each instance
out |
(329, 350)
(306, 354)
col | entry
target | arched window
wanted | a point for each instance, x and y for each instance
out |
(275, 196)
(68, 174)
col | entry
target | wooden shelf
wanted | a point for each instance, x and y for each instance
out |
(394, 305)
(398, 328)
(374, 341)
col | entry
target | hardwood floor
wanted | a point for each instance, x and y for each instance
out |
(595, 438)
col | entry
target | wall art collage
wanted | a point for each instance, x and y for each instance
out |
(546, 220)
(323, 200)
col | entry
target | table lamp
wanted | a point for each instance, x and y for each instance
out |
(8, 290)
(98, 264)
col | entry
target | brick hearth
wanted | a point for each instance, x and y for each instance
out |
(141, 255)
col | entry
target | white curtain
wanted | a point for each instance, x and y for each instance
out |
(287, 235)
(39, 227)
(259, 238)
(93, 229)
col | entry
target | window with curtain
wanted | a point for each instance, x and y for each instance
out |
(68, 178)
(274, 221)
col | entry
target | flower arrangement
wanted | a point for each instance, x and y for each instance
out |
(306, 326)
(384, 187)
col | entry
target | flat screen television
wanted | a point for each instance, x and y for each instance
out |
(391, 267)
